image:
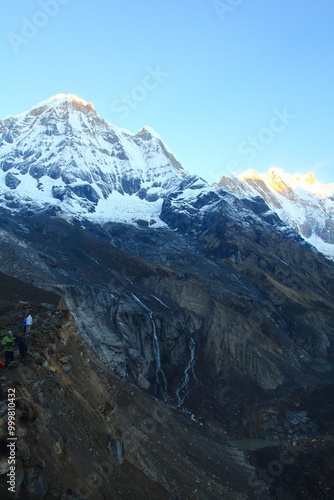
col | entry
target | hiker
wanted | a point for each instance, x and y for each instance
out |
(27, 322)
(23, 348)
(8, 343)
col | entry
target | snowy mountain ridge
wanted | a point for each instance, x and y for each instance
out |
(299, 200)
(63, 158)
(62, 153)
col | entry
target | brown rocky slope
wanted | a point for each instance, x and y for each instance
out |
(81, 433)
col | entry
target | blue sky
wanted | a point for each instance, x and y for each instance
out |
(228, 84)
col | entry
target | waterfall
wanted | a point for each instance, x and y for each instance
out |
(183, 388)
(160, 376)
(161, 382)
(162, 303)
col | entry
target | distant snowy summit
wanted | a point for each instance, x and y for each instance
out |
(299, 200)
(62, 154)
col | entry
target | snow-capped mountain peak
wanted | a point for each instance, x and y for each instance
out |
(55, 102)
(282, 182)
(299, 200)
(72, 97)
(62, 153)
(279, 181)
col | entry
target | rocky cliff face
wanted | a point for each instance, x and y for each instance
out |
(165, 359)
(81, 433)
(216, 316)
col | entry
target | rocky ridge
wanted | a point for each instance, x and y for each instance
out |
(300, 201)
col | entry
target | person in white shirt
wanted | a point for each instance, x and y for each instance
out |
(28, 323)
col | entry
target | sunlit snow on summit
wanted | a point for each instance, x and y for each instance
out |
(279, 181)
(74, 98)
